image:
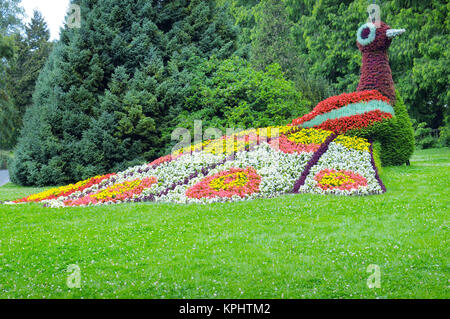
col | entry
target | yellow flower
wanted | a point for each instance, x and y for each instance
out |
(356, 143)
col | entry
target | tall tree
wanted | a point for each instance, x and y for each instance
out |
(11, 14)
(111, 90)
(10, 24)
(273, 42)
(32, 53)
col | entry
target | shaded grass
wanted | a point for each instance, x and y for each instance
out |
(295, 246)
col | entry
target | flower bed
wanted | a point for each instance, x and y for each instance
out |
(64, 191)
(347, 166)
(229, 183)
(342, 180)
(115, 193)
(260, 163)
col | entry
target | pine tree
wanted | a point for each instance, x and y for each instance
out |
(110, 92)
(32, 52)
(10, 24)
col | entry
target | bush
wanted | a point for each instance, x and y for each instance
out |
(231, 93)
(395, 135)
(423, 137)
(444, 133)
(444, 136)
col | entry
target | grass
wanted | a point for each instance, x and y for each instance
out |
(295, 246)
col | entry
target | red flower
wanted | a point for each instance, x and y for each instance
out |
(339, 101)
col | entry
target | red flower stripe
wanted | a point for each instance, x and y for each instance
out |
(339, 101)
(285, 145)
(342, 125)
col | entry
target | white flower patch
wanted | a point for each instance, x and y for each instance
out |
(278, 172)
(339, 157)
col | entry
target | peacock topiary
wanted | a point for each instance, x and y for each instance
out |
(334, 149)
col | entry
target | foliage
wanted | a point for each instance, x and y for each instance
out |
(444, 133)
(32, 52)
(232, 94)
(266, 37)
(423, 137)
(110, 92)
(5, 156)
(10, 14)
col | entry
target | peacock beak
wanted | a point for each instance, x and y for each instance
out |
(392, 33)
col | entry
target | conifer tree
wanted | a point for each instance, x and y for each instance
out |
(32, 52)
(10, 25)
(110, 92)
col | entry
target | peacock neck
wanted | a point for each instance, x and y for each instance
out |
(376, 74)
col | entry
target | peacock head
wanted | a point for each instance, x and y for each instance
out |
(371, 37)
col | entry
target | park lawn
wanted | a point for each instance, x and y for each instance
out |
(295, 246)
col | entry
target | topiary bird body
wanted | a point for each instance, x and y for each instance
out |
(327, 151)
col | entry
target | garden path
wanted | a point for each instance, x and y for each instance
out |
(4, 177)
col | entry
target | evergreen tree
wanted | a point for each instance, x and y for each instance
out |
(10, 23)
(32, 52)
(109, 95)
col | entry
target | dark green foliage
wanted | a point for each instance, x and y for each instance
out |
(423, 137)
(232, 94)
(273, 42)
(32, 52)
(10, 15)
(395, 135)
(111, 91)
(444, 133)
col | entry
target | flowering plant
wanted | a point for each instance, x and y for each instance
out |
(235, 181)
(261, 163)
(343, 180)
(339, 101)
(114, 193)
(62, 191)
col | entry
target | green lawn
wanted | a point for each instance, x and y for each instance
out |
(295, 246)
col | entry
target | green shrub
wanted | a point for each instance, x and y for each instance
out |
(423, 137)
(395, 135)
(444, 136)
(444, 133)
(231, 93)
